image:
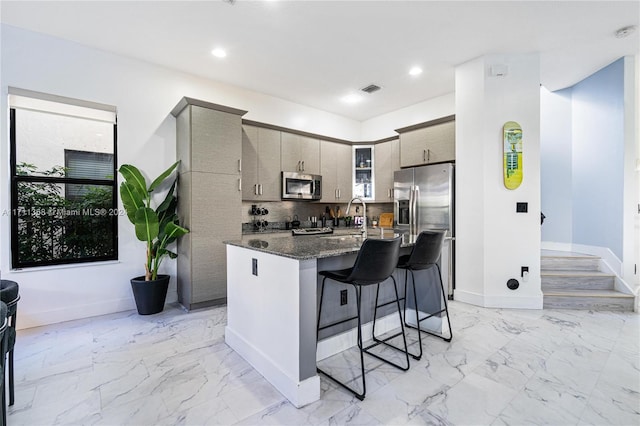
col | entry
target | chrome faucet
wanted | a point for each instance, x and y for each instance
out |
(364, 215)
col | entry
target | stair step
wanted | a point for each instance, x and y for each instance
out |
(582, 262)
(599, 300)
(576, 280)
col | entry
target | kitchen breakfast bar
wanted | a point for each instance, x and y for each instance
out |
(272, 300)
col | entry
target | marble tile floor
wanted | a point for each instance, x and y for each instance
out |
(503, 367)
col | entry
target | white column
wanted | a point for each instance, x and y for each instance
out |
(493, 242)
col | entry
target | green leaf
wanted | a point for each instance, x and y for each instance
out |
(173, 230)
(131, 200)
(146, 224)
(133, 176)
(169, 253)
(158, 181)
(167, 209)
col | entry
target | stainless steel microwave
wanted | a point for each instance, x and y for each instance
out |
(301, 186)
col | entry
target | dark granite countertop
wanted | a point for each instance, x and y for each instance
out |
(305, 247)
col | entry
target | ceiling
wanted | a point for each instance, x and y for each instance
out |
(316, 52)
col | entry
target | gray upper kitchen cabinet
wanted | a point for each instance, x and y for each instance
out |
(335, 162)
(209, 145)
(260, 164)
(431, 142)
(300, 153)
(386, 162)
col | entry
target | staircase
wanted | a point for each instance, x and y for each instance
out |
(574, 281)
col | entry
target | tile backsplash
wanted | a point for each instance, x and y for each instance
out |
(283, 211)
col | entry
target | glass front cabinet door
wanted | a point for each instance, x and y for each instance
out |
(363, 178)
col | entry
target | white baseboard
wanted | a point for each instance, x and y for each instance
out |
(54, 316)
(501, 301)
(299, 393)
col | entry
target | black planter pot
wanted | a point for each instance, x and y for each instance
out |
(150, 295)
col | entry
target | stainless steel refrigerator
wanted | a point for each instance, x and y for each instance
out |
(424, 200)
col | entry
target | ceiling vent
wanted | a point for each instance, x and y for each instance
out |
(371, 88)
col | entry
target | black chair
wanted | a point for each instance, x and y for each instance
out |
(3, 351)
(374, 264)
(10, 294)
(424, 256)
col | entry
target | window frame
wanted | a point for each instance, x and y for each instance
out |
(16, 179)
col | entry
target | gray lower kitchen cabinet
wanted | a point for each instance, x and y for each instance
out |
(335, 168)
(386, 162)
(209, 145)
(260, 164)
(434, 143)
(299, 153)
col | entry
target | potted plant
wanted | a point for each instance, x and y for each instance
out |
(157, 227)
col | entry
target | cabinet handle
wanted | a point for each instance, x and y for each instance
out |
(255, 189)
(260, 189)
(389, 193)
(240, 184)
(424, 155)
(240, 165)
(303, 166)
(298, 167)
(428, 155)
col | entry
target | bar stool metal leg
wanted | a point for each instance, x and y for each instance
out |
(385, 340)
(419, 320)
(359, 395)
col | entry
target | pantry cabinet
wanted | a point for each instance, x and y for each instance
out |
(209, 143)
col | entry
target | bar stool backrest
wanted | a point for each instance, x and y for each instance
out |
(376, 261)
(426, 250)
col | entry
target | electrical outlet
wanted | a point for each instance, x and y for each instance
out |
(254, 267)
(343, 297)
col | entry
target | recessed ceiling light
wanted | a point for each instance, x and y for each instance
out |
(352, 98)
(415, 71)
(219, 53)
(625, 32)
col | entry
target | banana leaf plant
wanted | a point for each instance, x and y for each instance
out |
(157, 227)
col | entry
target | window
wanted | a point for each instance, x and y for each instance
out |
(63, 180)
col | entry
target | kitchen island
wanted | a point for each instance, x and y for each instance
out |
(272, 298)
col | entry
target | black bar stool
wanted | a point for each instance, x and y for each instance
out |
(10, 294)
(424, 256)
(374, 264)
(3, 352)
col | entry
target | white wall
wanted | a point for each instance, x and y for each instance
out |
(144, 95)
(556, 165)
(492, 240)
(598, 153)
(384, 125)
(632, 172)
